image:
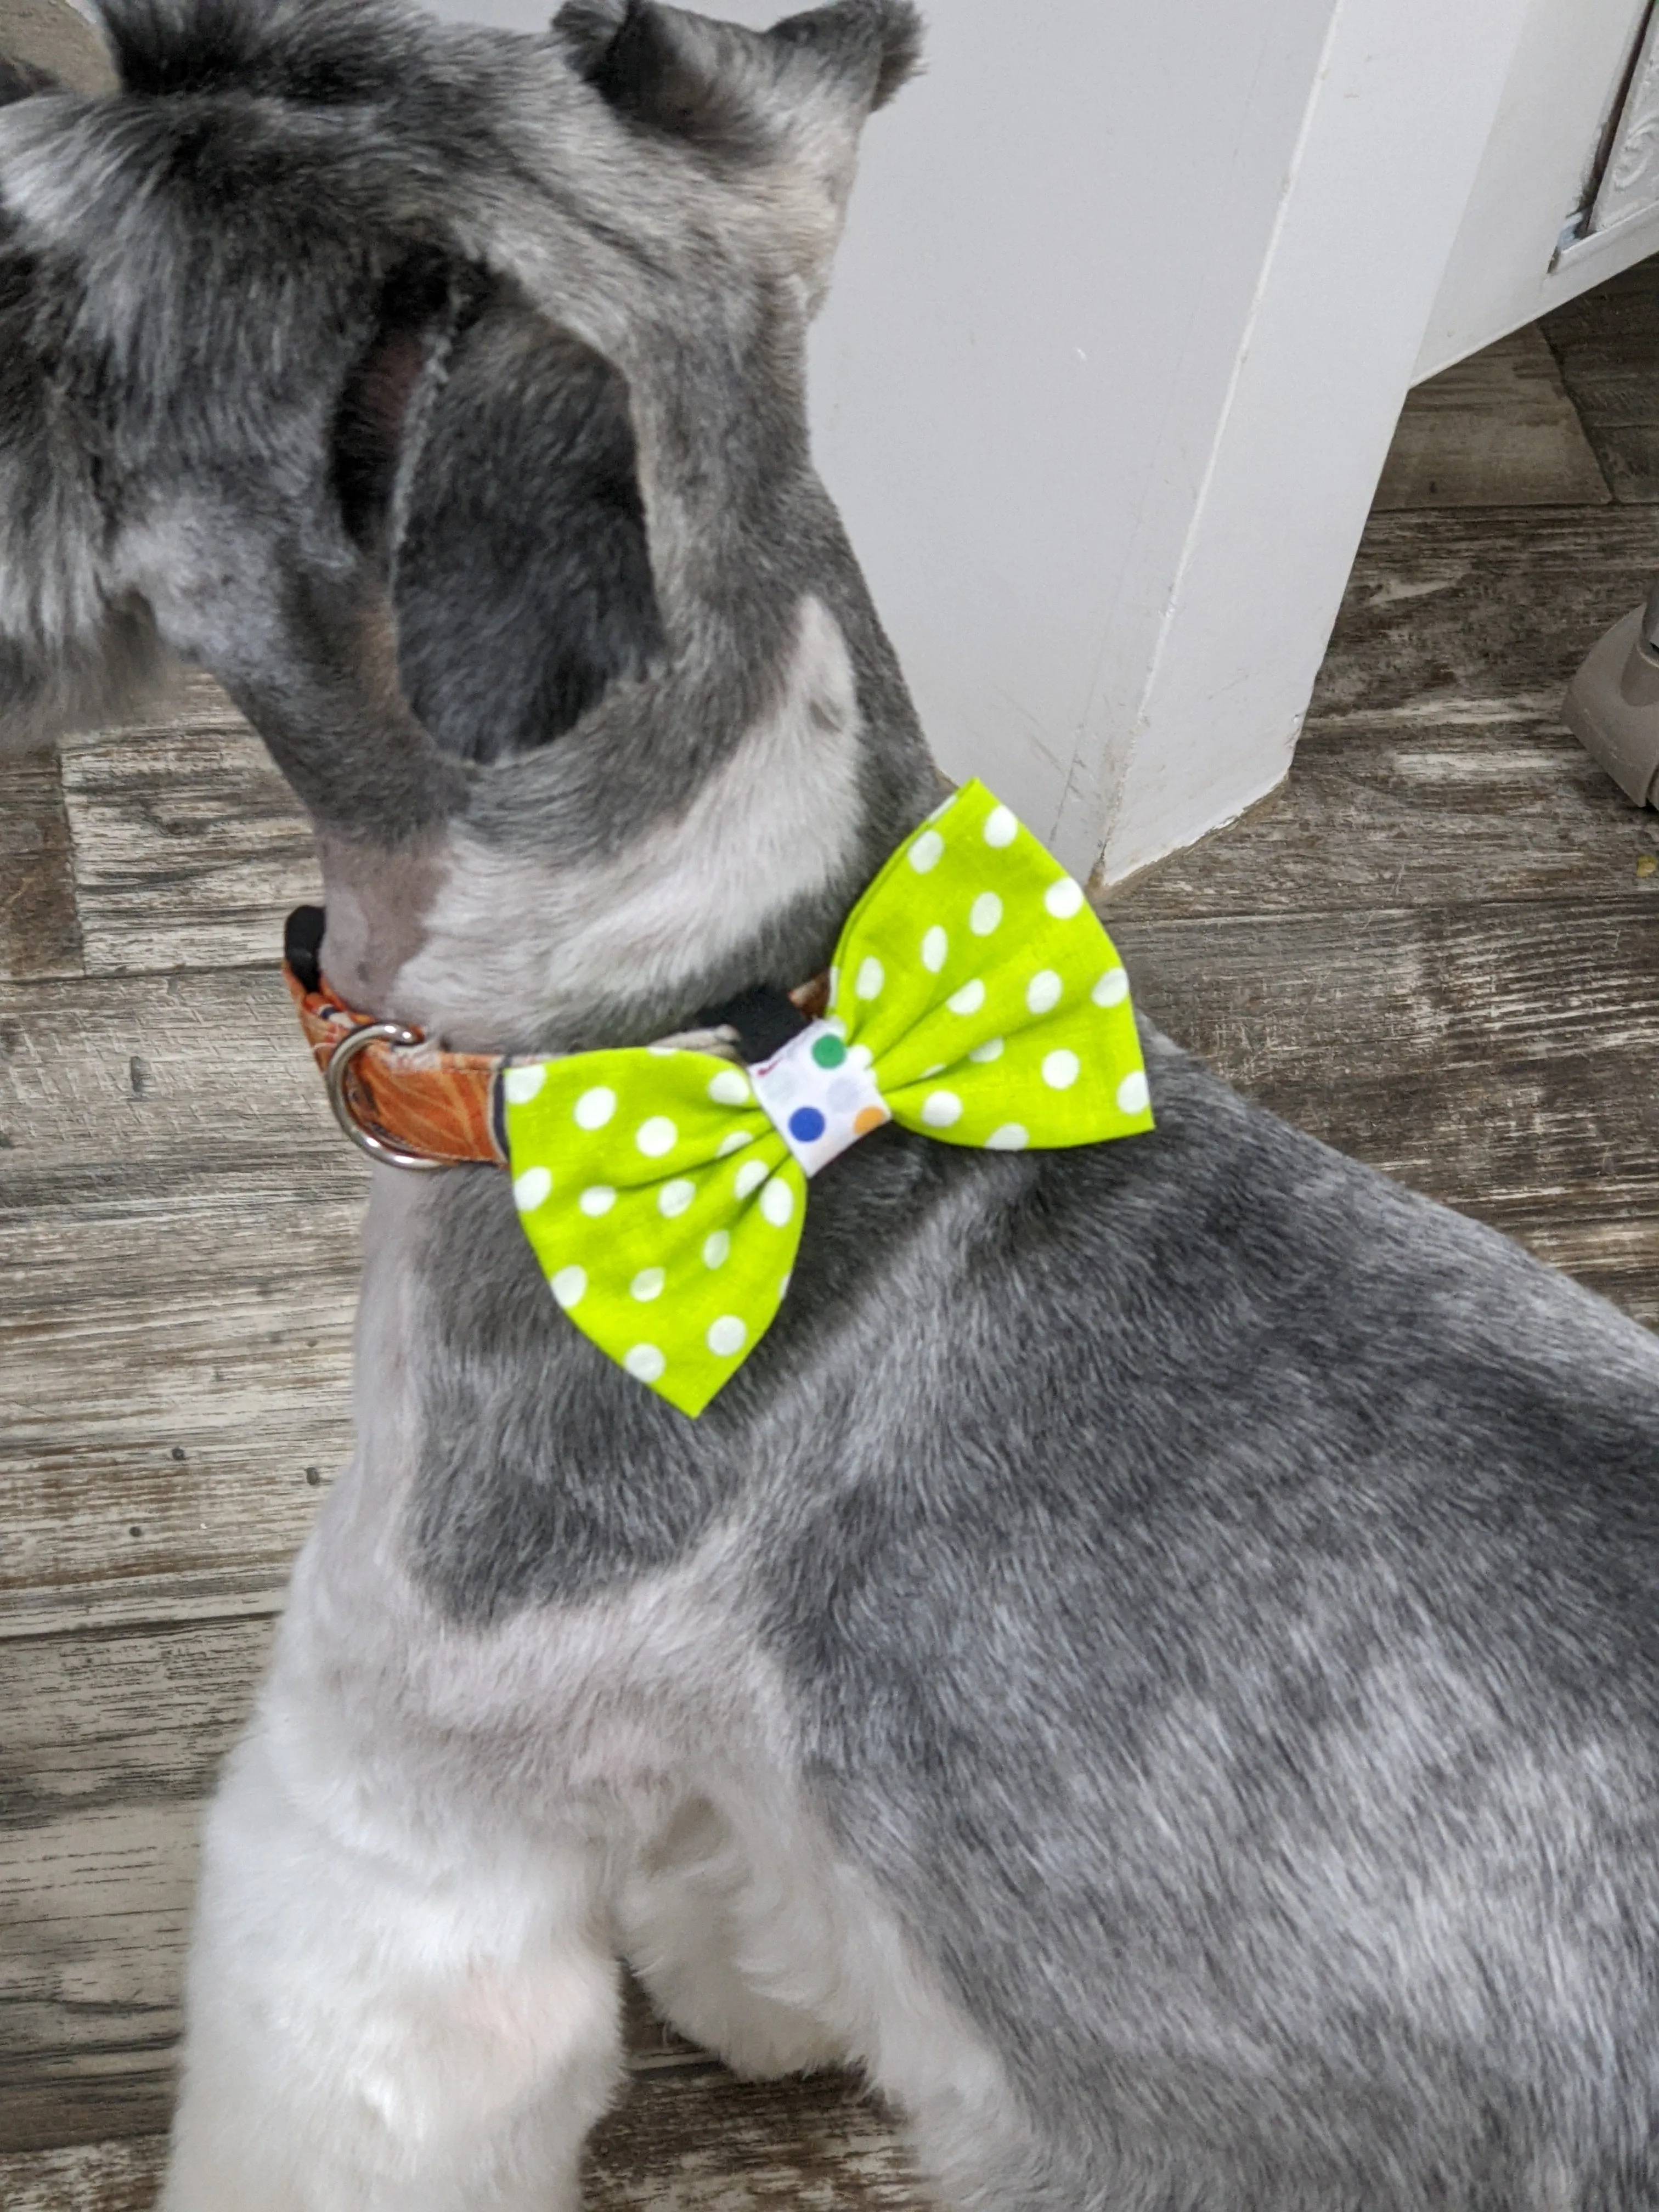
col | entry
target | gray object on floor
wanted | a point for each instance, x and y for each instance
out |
(1612, 702)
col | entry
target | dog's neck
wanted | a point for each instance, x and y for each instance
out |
(573, 905)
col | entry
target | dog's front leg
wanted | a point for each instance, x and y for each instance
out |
(380, 2021)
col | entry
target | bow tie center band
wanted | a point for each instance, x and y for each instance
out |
(974, 997)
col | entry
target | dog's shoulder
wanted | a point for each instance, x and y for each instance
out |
(1026, 1353)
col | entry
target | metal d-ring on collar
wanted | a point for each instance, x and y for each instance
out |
(392, 1033)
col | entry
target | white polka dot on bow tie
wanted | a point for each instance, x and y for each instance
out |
(867, 984)
(570, 1286)
(594, 1108)
(727, 1336)
(717, 1249)
(648, 1285)
(1133, 1095)
(969, 1000)
(1043, 992)
(927, 852)
(521, 1084)
(1064, 899)
(777, 1202)
(1009, 1138)
(985, 914)
(935, 950)
(750, 1176)
(674, 1198)
(1060, 1070)
(532, 1188)
(941, 1110)
(598, 1198)
(646, 1362)
(1112, 990)
(1000, 826)
(657, 1136)
(729, 1088)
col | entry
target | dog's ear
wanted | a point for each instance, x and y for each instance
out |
(780, 110)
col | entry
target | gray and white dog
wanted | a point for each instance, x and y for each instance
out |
(1156, 1657)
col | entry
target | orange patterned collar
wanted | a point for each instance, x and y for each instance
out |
(413, 1105)
(403, 1100)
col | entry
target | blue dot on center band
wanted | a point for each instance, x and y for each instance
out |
(806, 1125)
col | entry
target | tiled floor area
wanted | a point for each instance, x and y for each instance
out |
(1437, 947)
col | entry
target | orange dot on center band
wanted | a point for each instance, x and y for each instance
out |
(868, 1118)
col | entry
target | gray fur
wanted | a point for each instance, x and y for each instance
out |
(1205, 1597)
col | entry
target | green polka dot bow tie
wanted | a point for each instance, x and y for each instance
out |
(973, 997)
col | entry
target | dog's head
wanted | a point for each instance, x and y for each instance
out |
(440, 390)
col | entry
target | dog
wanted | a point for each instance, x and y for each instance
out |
(1155, 1656)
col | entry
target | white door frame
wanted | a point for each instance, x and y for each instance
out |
(1523, 246)
(1112, 535)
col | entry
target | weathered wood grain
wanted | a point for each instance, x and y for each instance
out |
(651, 2045)
(1611, 373)
(1601, 1238)
(189, 847)
(39, 934)
(707, 2143)
(108, 1748)
(175, 1400)
(92, 2177)
(1447, 619)
(702, 2144)
(1625, 306)
(1607, 345)
(88, 1998)
(179, 1223)
(1406, 813)
(1496, 1053)
(1629, 454)
(1504, 1060)
(1496, 430)
(160, 1084)
(105, 1722)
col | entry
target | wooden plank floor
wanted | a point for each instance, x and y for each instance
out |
(1437, 947)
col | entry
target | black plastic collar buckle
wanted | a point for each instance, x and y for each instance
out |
(764, 1017)
(302, 945)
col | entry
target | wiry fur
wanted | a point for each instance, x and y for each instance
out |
(1156, 1655)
